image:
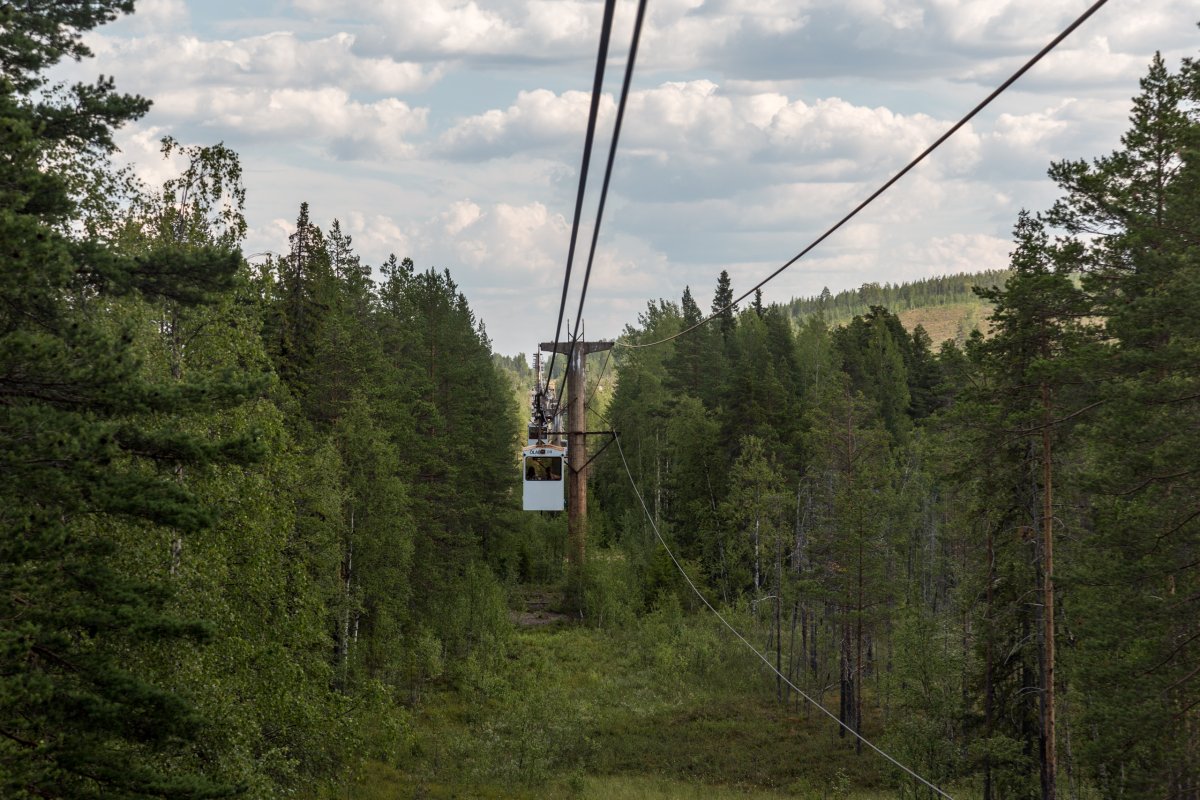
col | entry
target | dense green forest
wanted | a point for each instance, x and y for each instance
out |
(260, 531)
(986, 556)
(248, 510)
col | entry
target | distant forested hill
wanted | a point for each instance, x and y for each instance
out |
(519, 374)
(945, 306)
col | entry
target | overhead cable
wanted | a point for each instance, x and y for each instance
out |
(593, 112)
(745, 641)
(603, 369)
(612, 156)
(954, 129)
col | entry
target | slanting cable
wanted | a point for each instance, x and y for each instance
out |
(745, 641)
(984, 104)
(612, 156)
(603, 368)
(593, 112)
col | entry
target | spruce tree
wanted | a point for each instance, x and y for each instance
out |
(875, 354)
(724, 307)
(754, 402)
(300, 310)
(924, 375)
(689, 367)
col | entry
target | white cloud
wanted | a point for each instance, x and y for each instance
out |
(461, 215)
(377, 234)
(449, 27)
(537, 118)
(958, 252)
(871, 138)
(140, 148)
(557, 21)
(351, 129)
(754, 125)
(1029, 130)
(1078, 64)
(682, 124)
(690, 119)
(157, 15)
(676, 32)
(279, 60)
(893, 40)
(269, 238)
(522, 243)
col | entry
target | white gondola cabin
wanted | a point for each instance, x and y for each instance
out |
(544, 465)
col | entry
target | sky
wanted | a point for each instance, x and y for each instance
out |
(451, 132)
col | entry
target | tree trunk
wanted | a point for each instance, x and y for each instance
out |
(846, 683)
(792, 663)
(779, 632)
(858, 656)
(1050, 756)
(989, 689)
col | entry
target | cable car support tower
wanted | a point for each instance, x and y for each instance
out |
(577, 457)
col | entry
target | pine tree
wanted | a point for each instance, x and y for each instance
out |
(1137, 616)
(377, 545)
(77, 718)
(1040, 344)
(852, 463)
(457, 461)
(757, 507)
(695, 482)
(348, 347)
(639, 409)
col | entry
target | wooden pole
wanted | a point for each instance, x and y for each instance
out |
(576, 447)
(576, 457)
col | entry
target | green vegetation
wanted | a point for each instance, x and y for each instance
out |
(661, 706)
(992, 544)
(944, 307)
(260, 537)
(247, 510)
(925, 294)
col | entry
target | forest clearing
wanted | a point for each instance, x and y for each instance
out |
(657, 711)
(286, 524)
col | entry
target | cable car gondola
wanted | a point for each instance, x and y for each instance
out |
(544, 457)
(543, 466)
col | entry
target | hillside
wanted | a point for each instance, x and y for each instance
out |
(952, 321)
(945, 306)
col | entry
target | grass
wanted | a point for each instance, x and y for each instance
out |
(386, 783)
(669, 709)
(635, 787)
